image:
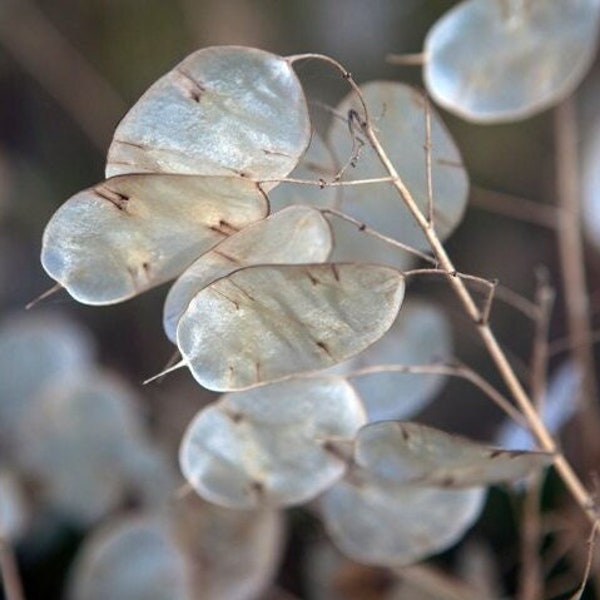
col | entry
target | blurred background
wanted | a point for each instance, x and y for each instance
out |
(70, 69)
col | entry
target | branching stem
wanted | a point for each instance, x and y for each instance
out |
(522, 399)
(535, 423)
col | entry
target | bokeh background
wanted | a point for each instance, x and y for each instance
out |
(69, 70)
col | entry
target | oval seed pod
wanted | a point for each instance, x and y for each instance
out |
(267, 322)
(131, 233)
(297, 234)
(404, 452)
(232, 554)
(131, 558)
(276, 445)
(223, 110)
(75, 440)
(380, 524)
(490, 61)
(194, 551)
(414, 491)
(36, 351)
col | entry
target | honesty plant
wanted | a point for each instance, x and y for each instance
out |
(270, 293)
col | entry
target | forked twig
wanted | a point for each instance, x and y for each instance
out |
(493, 289)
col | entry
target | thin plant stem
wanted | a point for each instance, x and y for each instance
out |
(417, 59)
(564, 344)
(588, 563)
(540, 353)
(531, 569)
(458, 370)
(362, 227)
(572, 262)
(323, 183)
(13, 588)
(49, 292)
(531, 575)
(517, 301)
(428, 150)
(170, 369)
(514, 207)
